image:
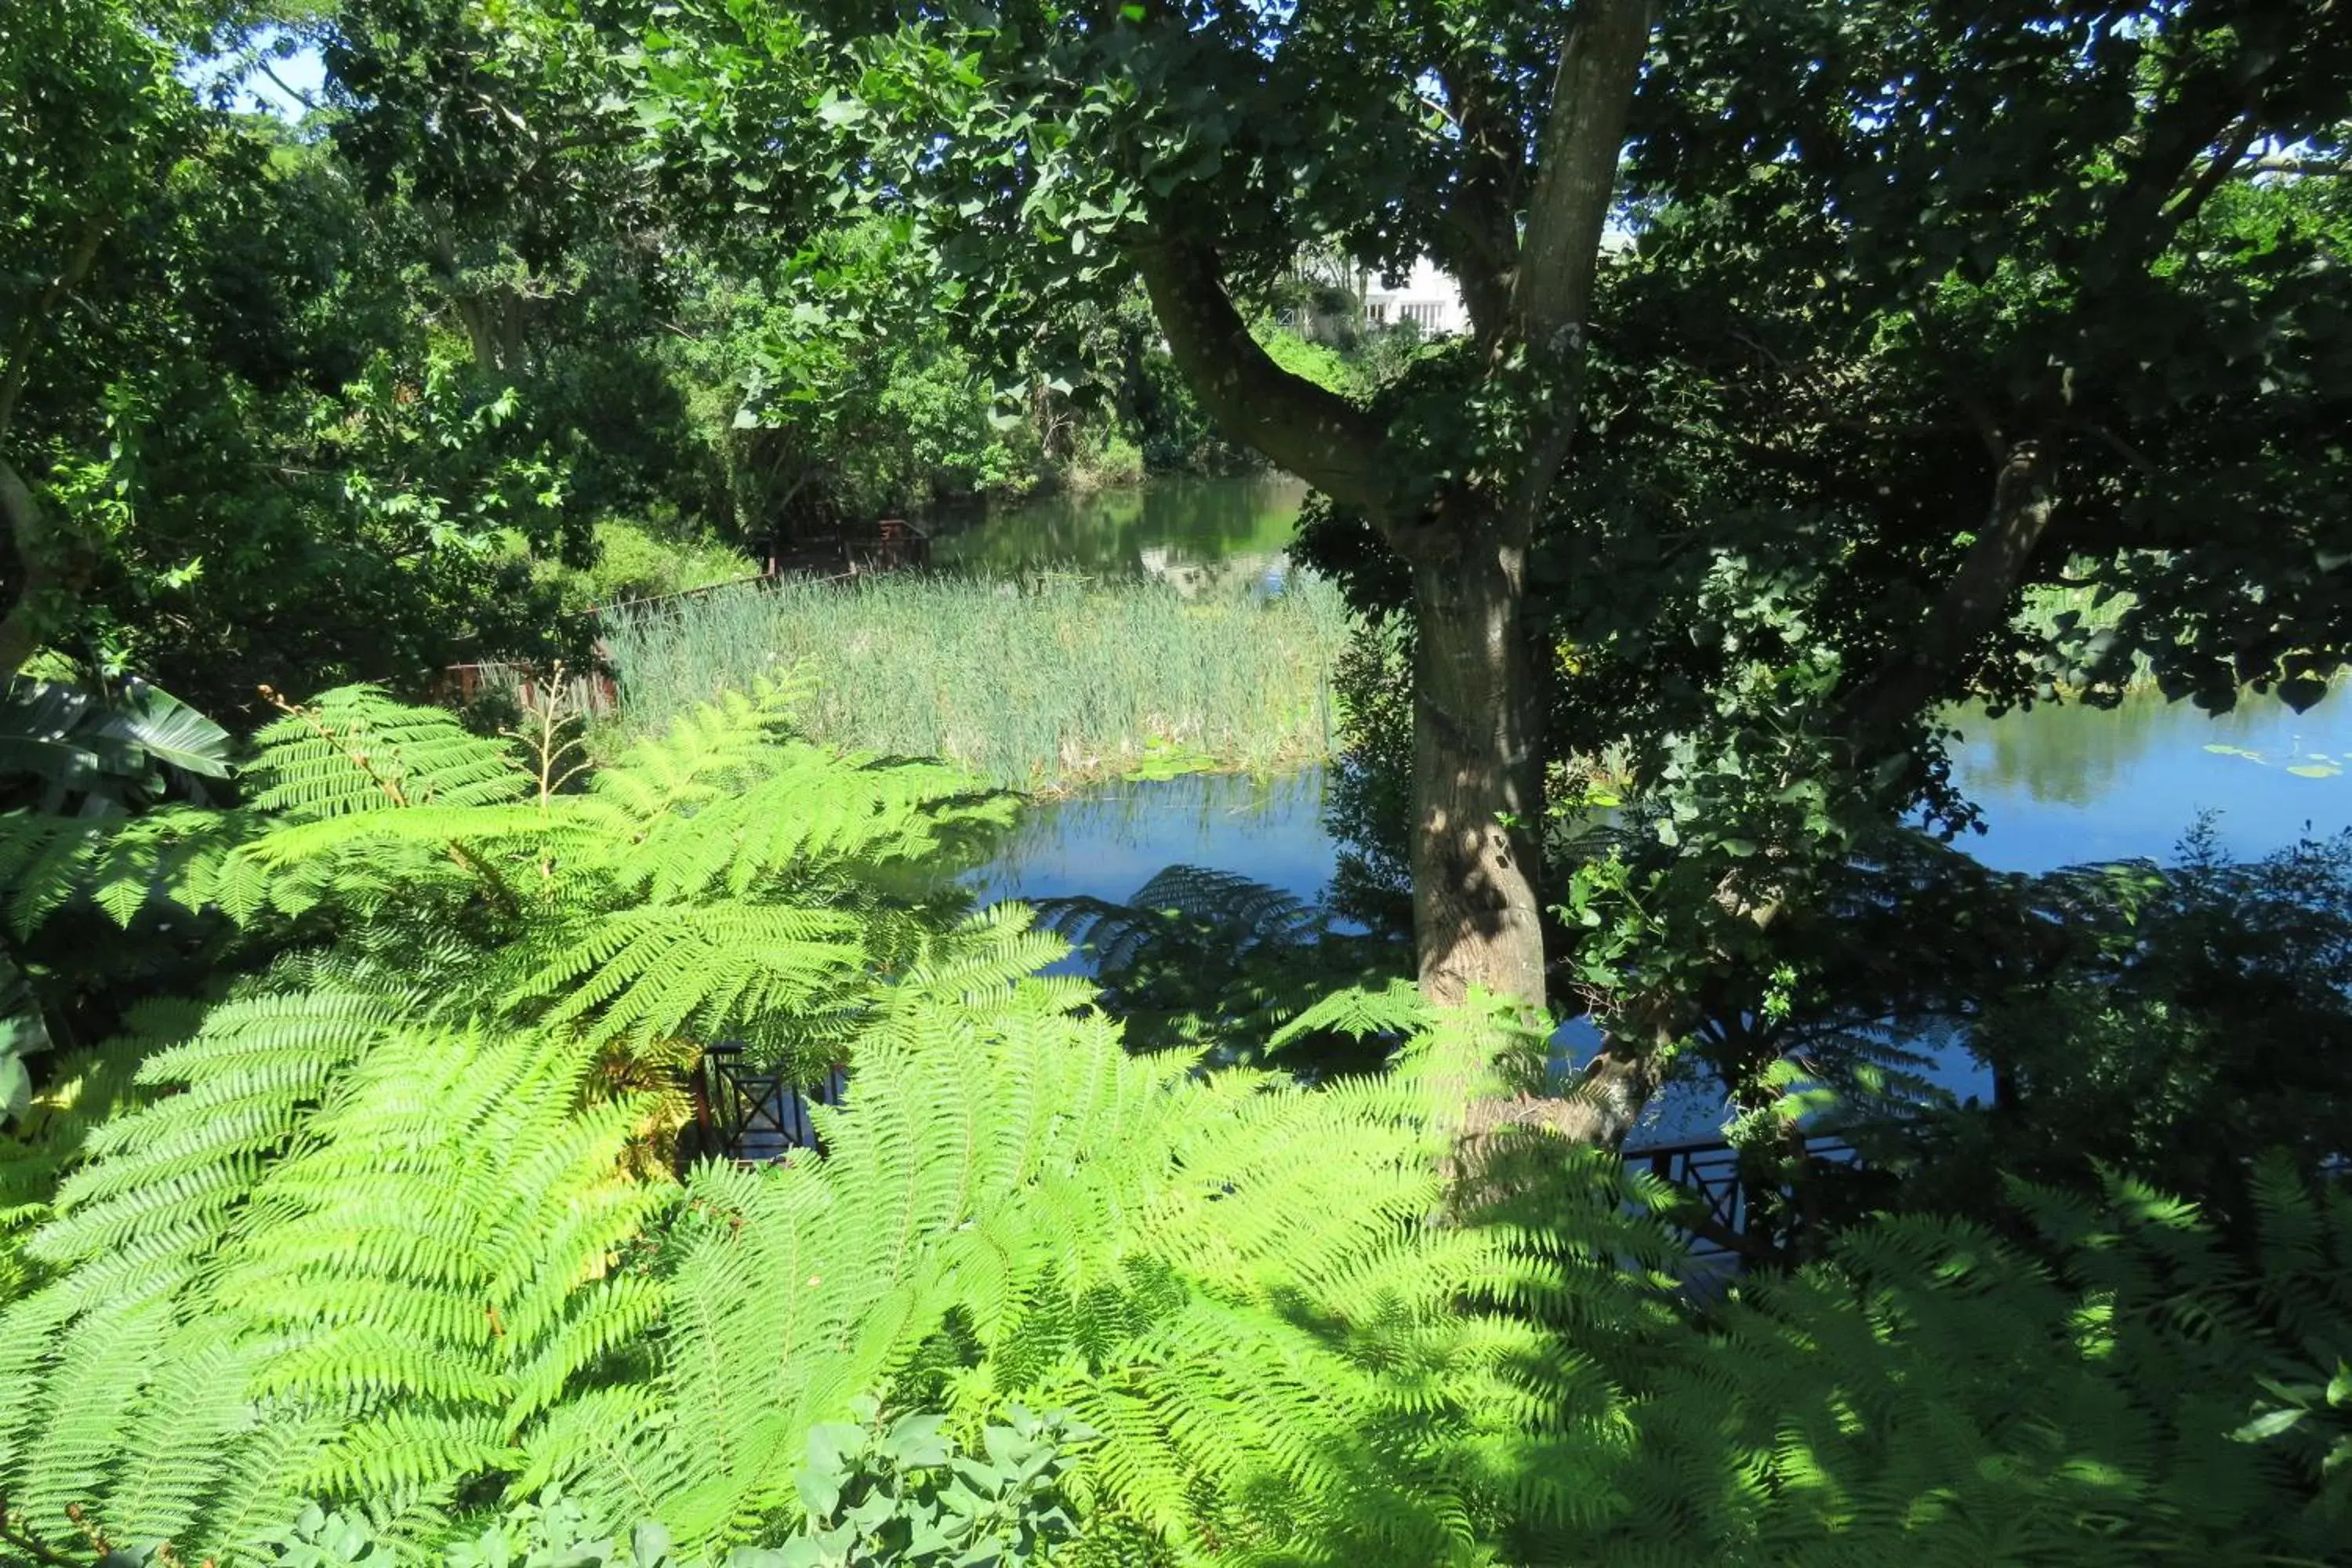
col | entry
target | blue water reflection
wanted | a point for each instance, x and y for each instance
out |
(2059, 785)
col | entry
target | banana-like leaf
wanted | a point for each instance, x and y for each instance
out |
(100, 753)
(167, 729)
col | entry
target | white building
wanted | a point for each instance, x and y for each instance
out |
(1429, 300)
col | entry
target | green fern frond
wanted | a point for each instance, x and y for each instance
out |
(1399, 1009)
(712, 973)
(354, 749)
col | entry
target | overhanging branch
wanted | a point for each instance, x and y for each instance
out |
(1972, 604)
(1314, 434)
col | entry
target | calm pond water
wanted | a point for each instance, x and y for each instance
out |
(1192, 533)
(2059, 785)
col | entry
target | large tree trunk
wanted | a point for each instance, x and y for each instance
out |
(1477, 775)
(1477, 702)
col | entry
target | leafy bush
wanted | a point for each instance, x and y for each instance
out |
(2169, 1022)
(877, 1493)
(896, 1495)
(1928, 1393)
(637, 561)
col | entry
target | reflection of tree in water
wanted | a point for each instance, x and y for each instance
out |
(2069, 754)
(1187, 522)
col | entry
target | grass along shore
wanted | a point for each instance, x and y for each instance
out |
(1040, 686)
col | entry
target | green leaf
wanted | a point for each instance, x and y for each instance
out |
(2302, 692)
(916, 1443)
(15, 1085)
(2268, 1424)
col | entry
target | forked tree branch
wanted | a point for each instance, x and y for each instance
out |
(1314, 434)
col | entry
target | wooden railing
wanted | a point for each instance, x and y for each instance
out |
(592, 694)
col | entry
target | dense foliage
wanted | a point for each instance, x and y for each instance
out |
(362, 1197)
(305, 401)
(388, 1230)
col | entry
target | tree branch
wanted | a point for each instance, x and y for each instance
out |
(1559, 260)
(2195, 106)
(1479, 239)
(1972, 602)
(261, 63)
(1314, 434)
(2287, 163)
(1592, 94)
(2184, 207)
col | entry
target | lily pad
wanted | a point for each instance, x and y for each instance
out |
(2222, 751)
(2314, 770)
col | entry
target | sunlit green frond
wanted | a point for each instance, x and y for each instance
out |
(354, 749)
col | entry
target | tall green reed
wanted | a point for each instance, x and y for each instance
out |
(1038, 685)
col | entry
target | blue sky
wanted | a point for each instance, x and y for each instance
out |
(304, 72)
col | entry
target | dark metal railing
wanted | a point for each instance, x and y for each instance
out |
(756, 1117)
(1725, 1219)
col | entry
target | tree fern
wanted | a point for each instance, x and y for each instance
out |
(384, 1229)
(355, 750)
(401, 1241)
(390, 1189)
(725, 882)
(1233, 1282)
(1930, 1393)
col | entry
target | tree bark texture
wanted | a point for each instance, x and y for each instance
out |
(1477, 775)
(1478, 696)
(1973, 602)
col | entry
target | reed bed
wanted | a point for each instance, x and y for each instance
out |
(1041, 685)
